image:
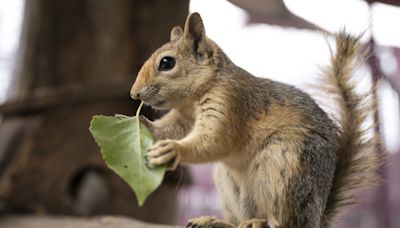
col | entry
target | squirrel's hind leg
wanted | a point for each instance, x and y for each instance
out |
(257, 223)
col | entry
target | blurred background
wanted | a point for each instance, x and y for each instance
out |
(61, 62)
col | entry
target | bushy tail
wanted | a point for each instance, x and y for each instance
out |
(359, 154)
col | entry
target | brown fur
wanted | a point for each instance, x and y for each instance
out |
(358, 158)
(280, 160)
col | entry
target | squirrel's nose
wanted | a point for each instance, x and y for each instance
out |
(135, 96)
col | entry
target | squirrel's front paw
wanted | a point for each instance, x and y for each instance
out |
(164, 152)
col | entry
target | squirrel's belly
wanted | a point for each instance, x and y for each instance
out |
(240, 201)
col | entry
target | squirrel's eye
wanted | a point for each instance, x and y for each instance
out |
(166, 63)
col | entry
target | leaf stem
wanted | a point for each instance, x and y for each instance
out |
(138, 109)
(138, 137)
(138, 125)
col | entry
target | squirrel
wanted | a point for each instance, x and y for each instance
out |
(281, 161)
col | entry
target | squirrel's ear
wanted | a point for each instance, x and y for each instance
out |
(176, 32)
(195, 34)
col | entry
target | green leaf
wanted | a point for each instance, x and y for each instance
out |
(123, 142)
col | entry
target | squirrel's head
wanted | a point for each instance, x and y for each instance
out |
(178, 72)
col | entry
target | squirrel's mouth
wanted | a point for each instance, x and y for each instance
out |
(155, 104)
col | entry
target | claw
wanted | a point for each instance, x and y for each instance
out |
(260, 223)
(148, 165)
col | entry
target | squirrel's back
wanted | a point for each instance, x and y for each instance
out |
(288, 137)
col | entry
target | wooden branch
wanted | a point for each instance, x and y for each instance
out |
(273, 12)
(67, 222)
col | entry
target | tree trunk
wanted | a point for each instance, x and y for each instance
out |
(78, 59)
